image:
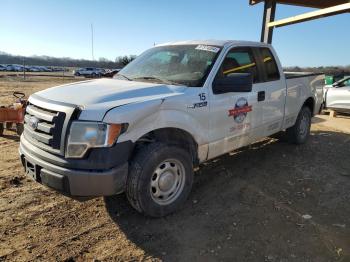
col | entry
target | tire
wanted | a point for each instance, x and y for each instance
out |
(160, 179)
(299, 133)
(19, 128)
(1, 129)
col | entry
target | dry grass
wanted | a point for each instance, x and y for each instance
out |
(29, 86)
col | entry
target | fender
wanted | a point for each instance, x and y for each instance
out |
(151, 115)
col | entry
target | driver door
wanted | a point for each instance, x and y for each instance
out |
(235, 117)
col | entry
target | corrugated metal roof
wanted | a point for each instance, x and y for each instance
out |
(307, 3)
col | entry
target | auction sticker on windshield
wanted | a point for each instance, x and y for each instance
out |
(209, 48)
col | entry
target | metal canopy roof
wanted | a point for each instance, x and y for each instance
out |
(325, 8)
(307, 3)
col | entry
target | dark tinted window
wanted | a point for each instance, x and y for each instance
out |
(239, 61)
(270, 65)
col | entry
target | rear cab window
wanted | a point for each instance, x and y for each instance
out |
(271, 71)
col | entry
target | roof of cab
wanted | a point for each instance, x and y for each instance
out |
(221, 43)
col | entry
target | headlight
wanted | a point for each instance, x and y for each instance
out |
(85, 135)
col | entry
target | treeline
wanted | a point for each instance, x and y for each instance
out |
(328, 70)
(119, 62)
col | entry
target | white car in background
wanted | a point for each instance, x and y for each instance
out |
(89, 72)
(337, 96)
(15, 68)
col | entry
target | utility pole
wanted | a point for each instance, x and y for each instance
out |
(92, 42)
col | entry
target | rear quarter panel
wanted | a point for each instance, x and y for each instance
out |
(299, 89)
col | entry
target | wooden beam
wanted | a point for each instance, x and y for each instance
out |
(306, 3)
(269, 16)
(335, 10)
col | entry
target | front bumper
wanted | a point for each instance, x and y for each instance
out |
(80, 178)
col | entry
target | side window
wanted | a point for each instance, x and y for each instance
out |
(239, 60)
(270, 65)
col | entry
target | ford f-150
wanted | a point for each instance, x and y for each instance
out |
(174, 107)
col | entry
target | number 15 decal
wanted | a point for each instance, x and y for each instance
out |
(202, 96)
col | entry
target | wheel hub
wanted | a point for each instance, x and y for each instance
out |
(167, 182)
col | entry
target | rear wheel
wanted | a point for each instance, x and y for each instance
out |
(299, 133)
(160, 179)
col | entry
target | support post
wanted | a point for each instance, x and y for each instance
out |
(269, 16)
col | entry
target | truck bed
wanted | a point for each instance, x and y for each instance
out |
(290, 75)
(300, 86)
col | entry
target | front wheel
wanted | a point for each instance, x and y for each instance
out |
(160, 179)
(299, 133)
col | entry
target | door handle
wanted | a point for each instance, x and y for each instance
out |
(261, 96)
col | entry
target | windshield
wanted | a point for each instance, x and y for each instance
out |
(178, 64)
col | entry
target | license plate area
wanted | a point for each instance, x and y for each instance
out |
(32, 171)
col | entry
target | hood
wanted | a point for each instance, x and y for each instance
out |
(95, 92)
(104, 94)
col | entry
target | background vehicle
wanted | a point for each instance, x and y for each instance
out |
(172, 108)
(337, 96)
(89, 72)
(110, 72)
(15, 68)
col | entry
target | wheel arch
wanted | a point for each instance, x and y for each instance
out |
(172, 136)
(310, 103)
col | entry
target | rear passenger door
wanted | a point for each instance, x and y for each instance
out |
(272, 91)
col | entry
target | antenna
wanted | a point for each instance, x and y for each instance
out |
(92, 41)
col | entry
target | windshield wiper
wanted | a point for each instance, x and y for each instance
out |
(168, 82)
(125, 77)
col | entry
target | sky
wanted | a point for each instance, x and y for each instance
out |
(62, 28)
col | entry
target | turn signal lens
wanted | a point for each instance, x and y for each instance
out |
(113, 133)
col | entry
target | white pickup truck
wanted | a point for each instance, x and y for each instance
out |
(174, 107)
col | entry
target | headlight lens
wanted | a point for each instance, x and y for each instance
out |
(85, 135)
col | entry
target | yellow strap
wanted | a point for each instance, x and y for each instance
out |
(267, 59)
(245, 66)
(239, 68)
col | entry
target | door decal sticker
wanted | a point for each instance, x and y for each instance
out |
(240, 111)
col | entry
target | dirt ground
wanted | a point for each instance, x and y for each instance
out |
(271, 201)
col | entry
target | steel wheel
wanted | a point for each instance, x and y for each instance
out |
(167, 182)
(299, 133)
(304, 126)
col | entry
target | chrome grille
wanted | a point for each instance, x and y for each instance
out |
(44, 127)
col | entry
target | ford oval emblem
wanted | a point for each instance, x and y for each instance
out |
(33, 122)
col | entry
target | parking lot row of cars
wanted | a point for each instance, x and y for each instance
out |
(29, 68)
(84, 71)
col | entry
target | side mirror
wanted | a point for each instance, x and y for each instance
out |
(238, 82)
